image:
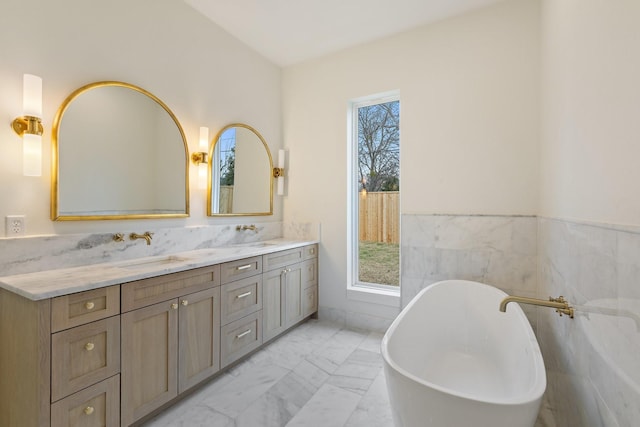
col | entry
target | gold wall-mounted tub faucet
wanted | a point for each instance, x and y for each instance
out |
(560, 304)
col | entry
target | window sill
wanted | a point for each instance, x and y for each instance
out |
(390, 298)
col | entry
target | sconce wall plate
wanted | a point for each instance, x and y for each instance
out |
(199, 157)
(27, 124)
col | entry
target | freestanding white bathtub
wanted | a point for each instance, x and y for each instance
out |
(452, 359)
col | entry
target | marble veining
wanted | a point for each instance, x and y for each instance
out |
(37, 253)
(51, 283)
(497, 250)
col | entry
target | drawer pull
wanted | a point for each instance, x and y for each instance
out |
(244, 334)
(90, 305)
(89, 346)
(246, 294)
(174, 306)
(312, 251)
(244, 267)
(89, 410)
(185, 302)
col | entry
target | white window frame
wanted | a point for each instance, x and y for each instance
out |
(361, 291)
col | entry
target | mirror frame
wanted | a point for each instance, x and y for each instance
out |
(55, 214)
(210, 165)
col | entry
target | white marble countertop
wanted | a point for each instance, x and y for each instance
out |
(52, 283)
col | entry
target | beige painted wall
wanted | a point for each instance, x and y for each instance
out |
(469, 90)
(205, 76)
(591, 127)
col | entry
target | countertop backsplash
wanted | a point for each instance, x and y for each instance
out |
(38, 253)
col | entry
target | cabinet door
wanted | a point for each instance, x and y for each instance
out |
(199, 324)
(273, 302)
(149, 359)
(294, 307)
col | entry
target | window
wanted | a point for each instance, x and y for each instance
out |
(375, 192)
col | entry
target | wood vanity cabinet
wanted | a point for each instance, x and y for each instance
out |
(111, 356)
(289, 289)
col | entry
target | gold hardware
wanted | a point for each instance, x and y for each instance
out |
(246, 227)
(246, 294)
(89, 346)
(199, 157)
(560, 304)
(244, 267)
(245, 333)
(146, 236)
(27, 124)
(89, 410)
(118, 237)
(278, 172)
(174, 306)
(89, 305)
(184, 302)
(312, 251)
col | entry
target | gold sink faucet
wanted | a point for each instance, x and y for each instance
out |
(560, 304)
(246, 227)
(146, 236)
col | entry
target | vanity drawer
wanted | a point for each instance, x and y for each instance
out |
(240, 298)
(310, 251)
(282, 258)
(309, 273)
(234, 270)
(150, 291)
(84, 307)
(240, 337)
(98, 405)
(310, 301)
(84, 355)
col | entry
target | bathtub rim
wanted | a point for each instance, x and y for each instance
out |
(538, 387)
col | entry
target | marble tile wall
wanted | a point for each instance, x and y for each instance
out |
(592, 361)
(593, 367)
(498, 250)
(29, 254)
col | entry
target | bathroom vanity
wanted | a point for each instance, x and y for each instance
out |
(109, 344)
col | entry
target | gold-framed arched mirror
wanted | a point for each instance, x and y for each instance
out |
(118, 152)
(240, 173)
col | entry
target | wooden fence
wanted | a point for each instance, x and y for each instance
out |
(379, 217)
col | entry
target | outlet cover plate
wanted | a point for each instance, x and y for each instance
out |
(14, 225)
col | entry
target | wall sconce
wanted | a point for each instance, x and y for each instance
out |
(278, 172)
(29, 126)
(200, 157)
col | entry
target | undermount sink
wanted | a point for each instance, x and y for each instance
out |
(256, 244)
(152, 262)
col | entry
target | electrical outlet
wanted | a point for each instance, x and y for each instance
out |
(14, 225)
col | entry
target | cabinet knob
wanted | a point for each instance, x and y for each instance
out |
(174, 306)
(185, 302)
(90, 305)
(89, 410)
(89, 346)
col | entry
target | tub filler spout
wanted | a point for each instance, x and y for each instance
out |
(560, 304)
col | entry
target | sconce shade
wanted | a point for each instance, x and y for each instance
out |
(280, 178)
(202, 163)
(32, 96)
(32, 155)
(29, 126)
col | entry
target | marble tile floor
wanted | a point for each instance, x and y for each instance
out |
(318, 375)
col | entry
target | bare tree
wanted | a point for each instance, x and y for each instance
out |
(379, 146)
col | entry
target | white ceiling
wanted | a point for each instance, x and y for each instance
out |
(291, 31)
